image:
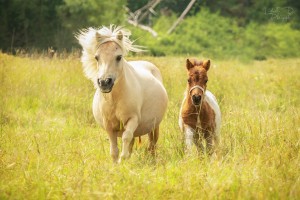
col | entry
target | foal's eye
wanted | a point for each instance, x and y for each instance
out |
(189, 80)
(206, 81)
(97, 57)
(119, 57)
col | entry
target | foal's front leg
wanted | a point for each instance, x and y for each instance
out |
(189, 136)
(198, 139)
(210, 141)
(127, 137)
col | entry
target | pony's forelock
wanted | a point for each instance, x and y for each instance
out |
(90, 43)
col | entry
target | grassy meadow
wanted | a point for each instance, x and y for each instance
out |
(51, 147)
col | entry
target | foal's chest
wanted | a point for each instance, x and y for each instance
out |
(204, 120)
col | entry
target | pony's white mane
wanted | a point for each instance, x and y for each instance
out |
(91, 38)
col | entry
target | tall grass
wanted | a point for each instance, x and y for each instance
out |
(51, 147)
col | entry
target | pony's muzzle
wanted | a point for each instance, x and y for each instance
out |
(196, 99)
(106, 84)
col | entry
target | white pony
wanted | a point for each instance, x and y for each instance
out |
(130, 98)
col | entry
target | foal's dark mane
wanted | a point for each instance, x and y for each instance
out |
(197, 62)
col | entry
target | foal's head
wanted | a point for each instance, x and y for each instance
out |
(197, 72)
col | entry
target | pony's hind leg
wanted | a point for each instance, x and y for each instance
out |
(131, 146)
(153, 137)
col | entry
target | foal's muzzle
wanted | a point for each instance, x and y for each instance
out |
(196, 99)
(105, 85)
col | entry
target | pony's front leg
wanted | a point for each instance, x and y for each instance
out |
(114, 151)
(127, 137)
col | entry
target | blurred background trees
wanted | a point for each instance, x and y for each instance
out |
(250, 28)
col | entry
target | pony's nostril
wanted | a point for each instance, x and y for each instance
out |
(108, 81)
(102, 82)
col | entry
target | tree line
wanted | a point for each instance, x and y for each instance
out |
(40, 24)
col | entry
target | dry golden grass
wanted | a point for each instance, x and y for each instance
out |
(51, 147)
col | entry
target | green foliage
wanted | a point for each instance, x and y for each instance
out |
(259, 11)
(91, 13)
(212, 35)
(78, 14)
(51, 147)
(28, 24)
(44, 23)
(244, 29)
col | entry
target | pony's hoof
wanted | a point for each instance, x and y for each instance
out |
(124, 156)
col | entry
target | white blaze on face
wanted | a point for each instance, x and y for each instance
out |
(110, 61)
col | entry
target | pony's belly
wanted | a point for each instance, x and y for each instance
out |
(153, 111)
(142, 129)
(146, 127)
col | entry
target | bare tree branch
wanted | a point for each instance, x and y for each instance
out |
(149, 10)
(181, 16)
(146, 28)
(139, 15)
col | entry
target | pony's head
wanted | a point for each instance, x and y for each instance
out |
(197, 73)
(103, 52)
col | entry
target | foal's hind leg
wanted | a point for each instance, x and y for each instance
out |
(153, 137)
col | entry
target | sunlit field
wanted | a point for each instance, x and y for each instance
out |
(52, 148)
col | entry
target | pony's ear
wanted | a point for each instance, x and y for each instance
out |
(120, 35)
(189, 64)
(98, 35)
(206, 65)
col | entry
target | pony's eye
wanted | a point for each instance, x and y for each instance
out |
(189, 80)
(97, 57)
(119, 57)
(206, 81)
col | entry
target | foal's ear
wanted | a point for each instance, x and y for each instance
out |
(206, 65)
(189, 64)
(120, 35)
